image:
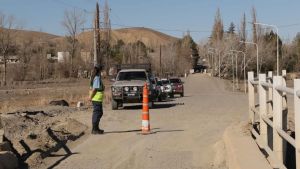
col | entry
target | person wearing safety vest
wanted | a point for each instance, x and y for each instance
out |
(96, 96)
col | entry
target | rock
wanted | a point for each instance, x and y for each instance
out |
(34, 160)
(79, 104)
(5, 146)
(59, 103)
(8, 160)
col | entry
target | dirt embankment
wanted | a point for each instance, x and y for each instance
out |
(38, 133)
(33, 130)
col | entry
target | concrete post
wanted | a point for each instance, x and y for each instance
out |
(297, 121)
(251, 97)
(277, 119)
(270, 93)
(262, 108)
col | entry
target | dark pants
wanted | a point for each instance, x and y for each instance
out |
(97, 113)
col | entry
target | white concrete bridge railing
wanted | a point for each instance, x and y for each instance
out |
(268, 116)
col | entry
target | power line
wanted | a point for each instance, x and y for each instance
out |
(74, 6)
(159, 29)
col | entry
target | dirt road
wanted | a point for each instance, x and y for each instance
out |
(185, 135)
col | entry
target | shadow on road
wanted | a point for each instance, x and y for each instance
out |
(127, 131)
(59, 144)
(167, 131)
(162, 105)
(154, 131)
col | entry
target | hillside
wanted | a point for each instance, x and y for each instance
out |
(149, 37)
(22, 35)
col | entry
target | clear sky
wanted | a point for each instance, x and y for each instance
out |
(169, 16)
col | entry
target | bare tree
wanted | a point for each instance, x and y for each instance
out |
(243, 35)
(73, 22)
(218, 28)
(25, 52)
(254, 28)
(7, 43)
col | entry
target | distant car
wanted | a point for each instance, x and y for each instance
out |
(162, 95)
(177, 86)
(155, 88)
(167, 87)
(199, 68)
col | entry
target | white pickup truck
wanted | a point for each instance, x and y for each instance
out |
(128, 87)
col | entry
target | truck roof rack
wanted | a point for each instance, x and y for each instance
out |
(145, 66)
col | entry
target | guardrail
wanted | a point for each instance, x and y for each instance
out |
(269, 122)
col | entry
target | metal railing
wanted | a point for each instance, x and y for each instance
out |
(271, 113)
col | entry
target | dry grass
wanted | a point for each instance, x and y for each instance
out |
(20, 98)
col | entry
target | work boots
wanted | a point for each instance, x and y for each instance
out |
(96, 130)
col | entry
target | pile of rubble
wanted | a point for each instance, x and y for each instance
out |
(8, 159)
(30, 136)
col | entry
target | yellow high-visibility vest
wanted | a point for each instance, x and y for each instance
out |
(98, 97)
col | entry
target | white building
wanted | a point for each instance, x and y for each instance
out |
(63, 57)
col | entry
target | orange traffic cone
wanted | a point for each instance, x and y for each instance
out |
(145, 113)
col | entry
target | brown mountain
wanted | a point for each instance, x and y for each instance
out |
(149, 37)
(22, 35)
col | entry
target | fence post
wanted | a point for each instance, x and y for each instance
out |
(297, 121)
(270, 109)
(277, 119)
(251, 97)
(262, 108)
(284, 103)
(270, 93)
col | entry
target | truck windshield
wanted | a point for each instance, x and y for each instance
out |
(165, 82)
(132, 76)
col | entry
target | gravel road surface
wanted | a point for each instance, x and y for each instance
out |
(186, 131)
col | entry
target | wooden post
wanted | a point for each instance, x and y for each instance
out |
(297, 121)
(277, 119)
(262, 108)
(251, 97)
(270, 109)
(284, 103)
(270, 93)
(284, 111)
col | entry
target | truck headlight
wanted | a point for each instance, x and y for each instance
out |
(135, 88)
(126, 89)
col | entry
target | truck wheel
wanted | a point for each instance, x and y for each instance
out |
(114, 104)
(171, 95)
(182, 94)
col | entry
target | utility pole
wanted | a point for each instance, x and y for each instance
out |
(97, 31)
(95, 45)
(107, 33)
(160, 68)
